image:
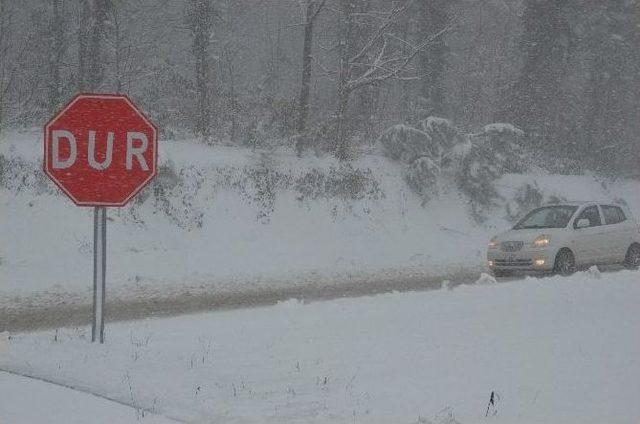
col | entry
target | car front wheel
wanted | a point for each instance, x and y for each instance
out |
(632, 259)
(565, 263)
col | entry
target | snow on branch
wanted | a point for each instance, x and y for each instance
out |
(387, 62)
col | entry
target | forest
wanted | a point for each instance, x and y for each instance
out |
(333, 76)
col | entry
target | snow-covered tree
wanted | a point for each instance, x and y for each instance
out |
(489, 155)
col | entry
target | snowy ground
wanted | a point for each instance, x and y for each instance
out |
(318, 241)
(56, 404)
(555, 350)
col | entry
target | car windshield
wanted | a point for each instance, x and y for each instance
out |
(547, 217)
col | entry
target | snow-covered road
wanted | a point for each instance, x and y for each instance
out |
(553, 350)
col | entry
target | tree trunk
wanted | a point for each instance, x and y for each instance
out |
(536, 105)
(202, 75)
(201, 29)
(83, 28)
(303, 105)
(341, 149)
(98, 34)
(56, 56)
(233, 100)
(341, 146)
(433, 17)
(117, 39)
(4, 17)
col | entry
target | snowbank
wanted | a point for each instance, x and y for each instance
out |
(237, 220)
(553, 350)
(229, 219)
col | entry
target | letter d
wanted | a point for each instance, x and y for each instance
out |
(59, 163)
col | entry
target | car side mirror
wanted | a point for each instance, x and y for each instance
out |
(583, 223)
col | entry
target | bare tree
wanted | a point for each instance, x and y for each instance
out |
(311, 9)
(383, 56)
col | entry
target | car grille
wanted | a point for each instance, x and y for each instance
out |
(513, 262)
(511, 246)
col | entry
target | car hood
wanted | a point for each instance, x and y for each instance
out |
(526, 235)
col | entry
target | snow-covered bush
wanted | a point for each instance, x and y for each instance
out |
(18, 175)
(421, 176)
(317, 138)
(174, 194)
(528, 196)
(183, 194)
(433, 138)
(490, 154)
(403, 143)
(436, 150)
(345, 183)
(426, 151)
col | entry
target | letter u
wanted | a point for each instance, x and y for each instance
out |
(100, 166)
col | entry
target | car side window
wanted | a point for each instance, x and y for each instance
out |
(613, 214)
(591, 213)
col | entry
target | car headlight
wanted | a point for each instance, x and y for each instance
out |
(542, 241)
(493, 243)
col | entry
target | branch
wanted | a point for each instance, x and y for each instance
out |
(308, 16)
(379, 33)
(318, 9)
(325, 70)
(369, 78)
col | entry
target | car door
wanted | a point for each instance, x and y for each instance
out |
(618, 232)
(588, 241)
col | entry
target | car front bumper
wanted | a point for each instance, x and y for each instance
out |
(524, 260)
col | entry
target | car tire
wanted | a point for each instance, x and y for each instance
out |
(632, 258)
(565, 263)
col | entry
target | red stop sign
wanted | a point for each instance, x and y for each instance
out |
(100, 150)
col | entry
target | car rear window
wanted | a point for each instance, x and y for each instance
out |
(612, 214)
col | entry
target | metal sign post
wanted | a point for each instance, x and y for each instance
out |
(99, 271)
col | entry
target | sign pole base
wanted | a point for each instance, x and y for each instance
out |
(99, 271)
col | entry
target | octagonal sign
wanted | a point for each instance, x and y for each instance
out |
(100, 150)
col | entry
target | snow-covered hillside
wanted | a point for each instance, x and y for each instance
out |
(231, 219)
(553, 350)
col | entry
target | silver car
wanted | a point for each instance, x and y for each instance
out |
(564, 237)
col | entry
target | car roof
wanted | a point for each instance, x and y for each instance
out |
(576, 203)
(585, 203)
